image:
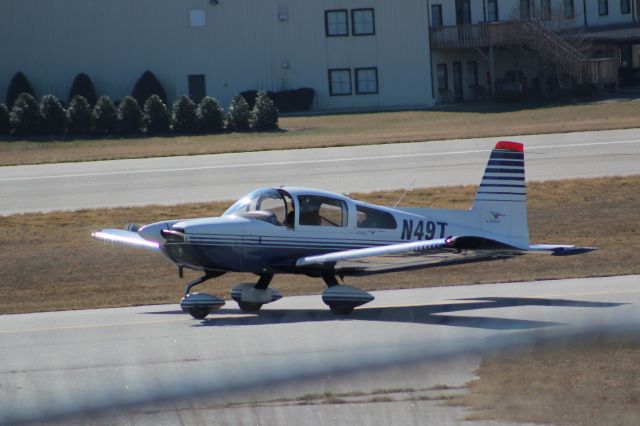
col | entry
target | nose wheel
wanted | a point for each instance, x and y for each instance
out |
(199, 305)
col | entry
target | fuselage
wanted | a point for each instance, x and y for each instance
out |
(269, 229)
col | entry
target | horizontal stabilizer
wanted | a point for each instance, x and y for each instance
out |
(126, 238)
(559, 249)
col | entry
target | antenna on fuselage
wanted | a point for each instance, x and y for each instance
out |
(404, 193)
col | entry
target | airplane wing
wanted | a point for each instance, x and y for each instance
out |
(425, 254)
(126, 238)
(412, 255)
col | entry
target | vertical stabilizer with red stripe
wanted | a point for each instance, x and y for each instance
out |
(501, 200)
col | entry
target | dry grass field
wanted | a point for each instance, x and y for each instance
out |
(460, 121)
(49, 261)
(575, 384)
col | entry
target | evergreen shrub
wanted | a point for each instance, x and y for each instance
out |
(26, 117)
(238, 114)
(79, 116)
(54, 117)
(5, 127)
(129, 116)
(264, 115)
(105, 117)
(210, 116)
(156, 118)
(183, 116)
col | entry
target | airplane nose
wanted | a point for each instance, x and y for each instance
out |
(152, 232)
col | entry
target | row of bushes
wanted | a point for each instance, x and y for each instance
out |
(49, 117)
(148, 85)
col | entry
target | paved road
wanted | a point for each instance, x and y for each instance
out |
(175, 180)
(60, 359)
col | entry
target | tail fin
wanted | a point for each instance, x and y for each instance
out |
(501, 200)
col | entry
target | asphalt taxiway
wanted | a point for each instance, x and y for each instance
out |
(175, 180)
(60, 361)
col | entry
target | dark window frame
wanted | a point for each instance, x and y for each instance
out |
(353, 22)
(497, 10)
(625, 7)
(326, 22)
(602, 12)
(439, 8)
(331, 85)
(569, 12)
(358, 92)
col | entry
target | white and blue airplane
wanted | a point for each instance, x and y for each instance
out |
(290, 230)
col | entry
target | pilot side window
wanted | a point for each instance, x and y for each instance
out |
(376, 219)
(317, 210)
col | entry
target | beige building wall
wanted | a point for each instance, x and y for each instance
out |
(243, 45)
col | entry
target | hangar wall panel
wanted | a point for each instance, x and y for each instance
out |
(243, 44)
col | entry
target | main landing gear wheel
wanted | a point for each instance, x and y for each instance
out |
(249, 307)
(340, 309)
(343, 299)
(250, 297)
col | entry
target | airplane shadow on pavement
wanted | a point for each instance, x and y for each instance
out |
(418, 314)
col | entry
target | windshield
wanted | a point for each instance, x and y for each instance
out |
(275, 201)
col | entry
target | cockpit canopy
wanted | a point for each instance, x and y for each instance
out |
(272, 205)
(277, 206)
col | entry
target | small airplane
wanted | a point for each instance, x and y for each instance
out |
(291, 230)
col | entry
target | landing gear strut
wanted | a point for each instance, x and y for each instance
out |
(250, 297)
(343, 299)
(199, 305)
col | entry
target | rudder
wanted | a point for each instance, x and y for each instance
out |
(501, 199)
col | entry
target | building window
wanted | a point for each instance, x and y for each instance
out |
(625, 6)
(436, 15)
(545, 9)
(472, 71)
(363, 22)
(569, 9)
(197, 18)
(340, 82)
(603, 7)
(443, 79)
(366, 81)
(336, 23)
(492, 11)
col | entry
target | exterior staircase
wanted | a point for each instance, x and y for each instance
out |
(554, 51)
